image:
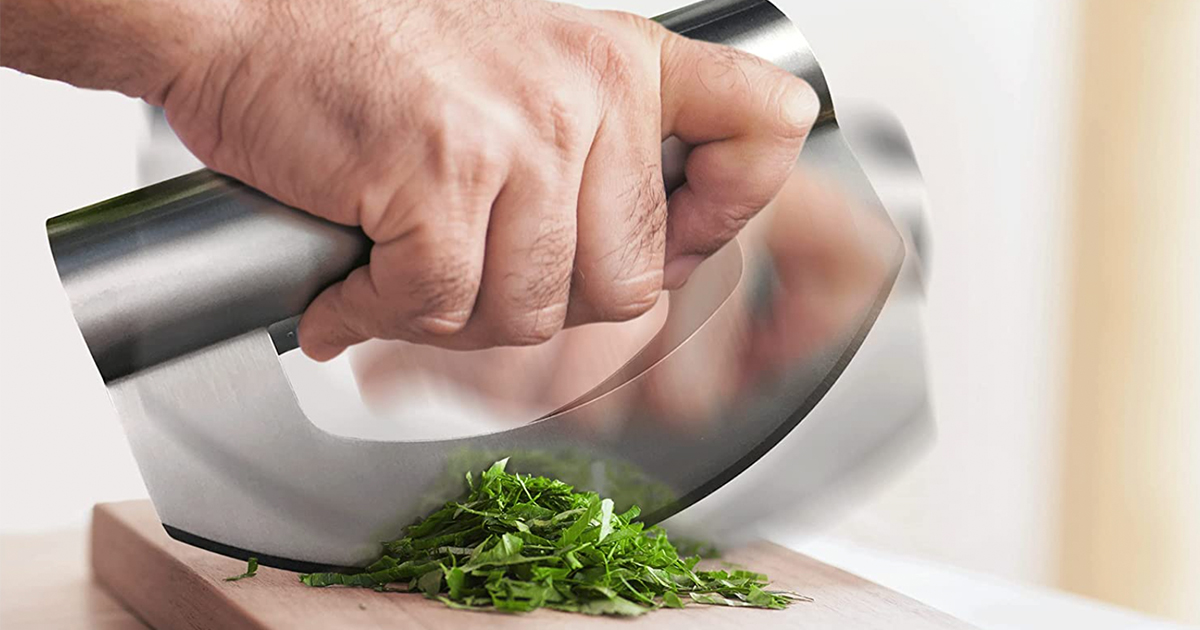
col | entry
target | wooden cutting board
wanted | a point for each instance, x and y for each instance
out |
(172, 585)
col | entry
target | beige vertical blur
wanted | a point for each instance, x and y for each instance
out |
(1131, 521)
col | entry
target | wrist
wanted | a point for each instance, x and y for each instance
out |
(195, 36)
(137, 47)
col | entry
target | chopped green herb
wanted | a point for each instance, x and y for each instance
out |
(671, 600)
(251, 569)
(626, 484)
(516, 543)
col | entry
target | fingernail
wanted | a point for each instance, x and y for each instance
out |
(322, 352)
(676, 273)
(802, 106)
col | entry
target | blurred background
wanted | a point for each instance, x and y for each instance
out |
(1061, 154)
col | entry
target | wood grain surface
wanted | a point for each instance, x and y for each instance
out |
(172, 585)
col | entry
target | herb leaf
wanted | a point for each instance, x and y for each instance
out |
(515, 543)
(606, 513)
(251, 570)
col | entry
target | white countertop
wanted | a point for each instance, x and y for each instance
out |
(987, 602)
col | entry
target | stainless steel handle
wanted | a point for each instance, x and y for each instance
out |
(179, 265)
(182, 264)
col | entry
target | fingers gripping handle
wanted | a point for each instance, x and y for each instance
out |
(759, 28)
(182, 264)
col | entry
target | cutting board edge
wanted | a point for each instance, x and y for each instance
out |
(136, 589)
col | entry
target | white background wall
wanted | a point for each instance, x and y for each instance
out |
(61, 448)
(983, 88)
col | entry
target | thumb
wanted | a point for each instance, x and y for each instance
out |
(747, 120)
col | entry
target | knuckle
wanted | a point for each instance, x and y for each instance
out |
(378, 205)
(634, 275)
(725, 70)
(483, 165)
(728, 224)
(601, 51)
(551, 254)
(444, 293)
(468, 161)
(535, 305)
(438, 325)
(649, 28)
(532, 327)
(559, 118)
(646, 200)
(631, 298)
(731, 222)
(623, 298)
(722, 228)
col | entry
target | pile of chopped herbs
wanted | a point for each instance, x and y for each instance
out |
(516, 542)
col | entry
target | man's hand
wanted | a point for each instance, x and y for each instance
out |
(503, 156)
(828, 257)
